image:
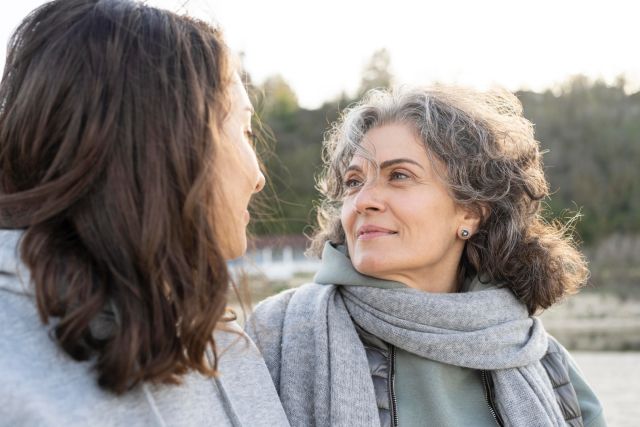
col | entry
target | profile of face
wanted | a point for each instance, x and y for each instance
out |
(400, 222)
(237, 172)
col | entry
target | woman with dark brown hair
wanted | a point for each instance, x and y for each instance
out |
(435, 260)
(126, 168)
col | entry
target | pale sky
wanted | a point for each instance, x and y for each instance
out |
(321, 47)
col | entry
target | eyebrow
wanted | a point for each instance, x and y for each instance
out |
(387, 164)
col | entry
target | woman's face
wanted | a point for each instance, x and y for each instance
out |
(238, 172)
(400, 222)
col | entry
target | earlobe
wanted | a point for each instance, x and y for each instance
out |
(470, 221)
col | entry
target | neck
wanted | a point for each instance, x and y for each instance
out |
(439, 278)
(437, 284)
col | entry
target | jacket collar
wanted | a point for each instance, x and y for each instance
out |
(336, 269)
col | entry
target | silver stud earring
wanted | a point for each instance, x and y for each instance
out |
(464, 233)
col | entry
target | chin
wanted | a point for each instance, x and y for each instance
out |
(369, 265)
(237, 249)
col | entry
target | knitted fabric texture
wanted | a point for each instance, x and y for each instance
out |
(324, 377)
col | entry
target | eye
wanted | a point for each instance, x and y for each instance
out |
(351, 183)
(399, 176)
(251, 137)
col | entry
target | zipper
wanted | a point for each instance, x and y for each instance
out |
(488, 396)
(392, 388)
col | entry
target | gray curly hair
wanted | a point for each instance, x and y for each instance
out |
(492, 165)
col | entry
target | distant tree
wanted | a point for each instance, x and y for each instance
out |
(279, 100)
(592, 133)
(292, 163)
(377, 72)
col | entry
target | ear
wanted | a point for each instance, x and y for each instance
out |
(470, 220)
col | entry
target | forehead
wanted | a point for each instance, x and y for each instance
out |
(390, 141)
(239, 96)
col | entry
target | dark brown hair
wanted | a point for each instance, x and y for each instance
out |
(110, 113)
(492, 165)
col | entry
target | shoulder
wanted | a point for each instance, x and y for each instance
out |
(271, 311)
(42, 385)
(571, 386)
(23, 335)
(265, 324)
(289, 309)
(267, 319)
(243, 379)
(35, 372)
(274, 305)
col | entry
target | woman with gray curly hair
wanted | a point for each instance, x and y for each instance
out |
(435, 260)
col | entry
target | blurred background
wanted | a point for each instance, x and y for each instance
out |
(574, 66)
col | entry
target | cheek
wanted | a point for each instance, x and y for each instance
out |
(250, 165)
(347, 218)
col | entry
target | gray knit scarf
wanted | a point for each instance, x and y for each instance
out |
(324, 375)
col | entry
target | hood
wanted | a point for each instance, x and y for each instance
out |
(10, 265)
(336, 269)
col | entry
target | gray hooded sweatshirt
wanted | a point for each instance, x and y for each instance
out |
(40, 385)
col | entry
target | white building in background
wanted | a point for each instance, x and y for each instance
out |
(276, 258)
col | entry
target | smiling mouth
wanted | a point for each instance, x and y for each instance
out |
(370, 235)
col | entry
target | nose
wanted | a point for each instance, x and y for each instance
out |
(260, 182)
(369, 199)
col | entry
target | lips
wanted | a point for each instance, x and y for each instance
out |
(368, 232)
